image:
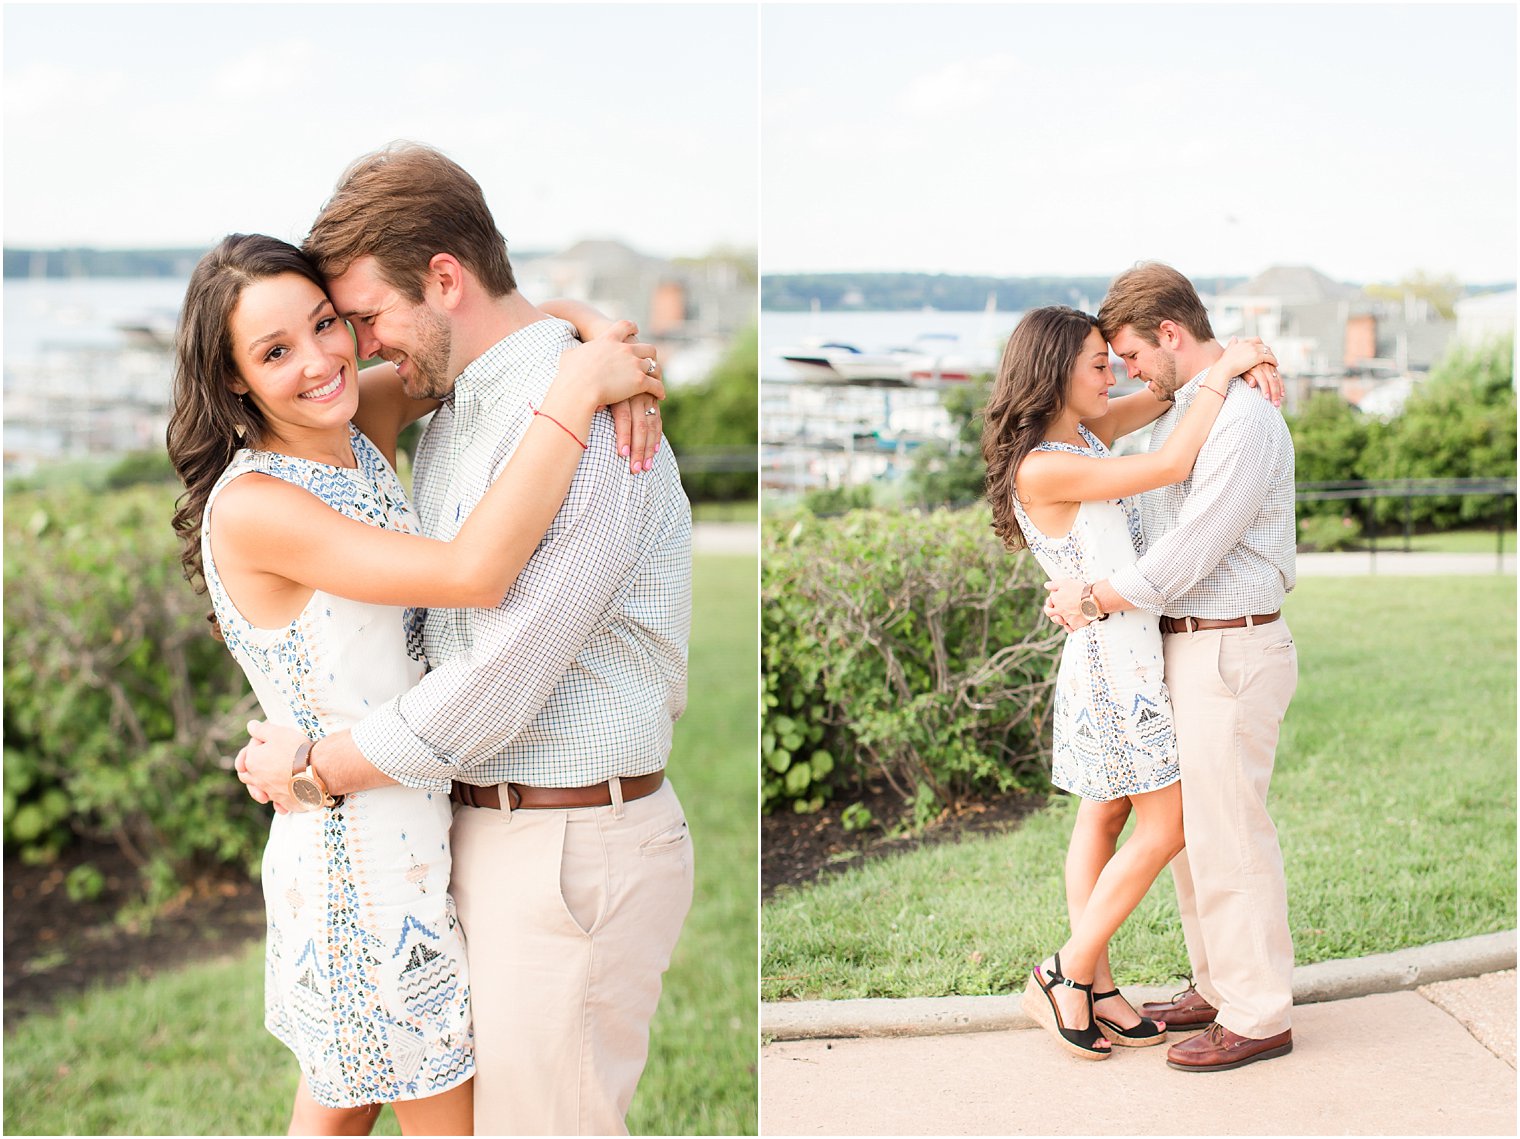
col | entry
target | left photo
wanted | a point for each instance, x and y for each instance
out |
(381, 570)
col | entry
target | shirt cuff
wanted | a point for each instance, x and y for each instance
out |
(1130, 584)
(393, 748)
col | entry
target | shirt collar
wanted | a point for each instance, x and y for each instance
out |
(1184, 395)
(510, 366)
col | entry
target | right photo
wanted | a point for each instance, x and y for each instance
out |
(1138, 596)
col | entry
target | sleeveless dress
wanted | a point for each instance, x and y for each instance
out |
(365, 977)
(1113, 733)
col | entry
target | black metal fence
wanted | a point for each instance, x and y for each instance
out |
(1364, 492)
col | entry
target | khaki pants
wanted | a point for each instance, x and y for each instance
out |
(1230, 689)
(570, 918)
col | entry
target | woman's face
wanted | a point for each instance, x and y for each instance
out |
(294, 356)
(1087, 390)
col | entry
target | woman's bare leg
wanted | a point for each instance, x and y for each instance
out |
(1094, 837)
(1120, 885)
(308, 1117)
(447, 1113)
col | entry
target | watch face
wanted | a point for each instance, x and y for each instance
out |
(1089, 609)
(306, 791)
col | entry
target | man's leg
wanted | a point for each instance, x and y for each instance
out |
(570, 918)
(1230, 689)
(1187, 906)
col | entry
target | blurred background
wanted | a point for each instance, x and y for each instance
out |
(1337, 179)
(616, 146)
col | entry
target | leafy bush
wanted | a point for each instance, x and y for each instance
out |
(1460, 423)
(121, 710)
(837, 499)
(1329, 439)
(1330, 532)
(721, 414)
(908, 646)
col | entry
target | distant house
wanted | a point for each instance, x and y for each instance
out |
(691, 308)
(1331, 335)
(1486, 318)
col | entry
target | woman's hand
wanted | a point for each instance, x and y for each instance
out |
(1265, 378)
(1240, 356)
(614, 370)
(637, 421)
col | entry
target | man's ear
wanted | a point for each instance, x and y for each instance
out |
(446, 274)
(1169, 335)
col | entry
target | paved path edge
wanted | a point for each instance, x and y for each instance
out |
(1322, 981)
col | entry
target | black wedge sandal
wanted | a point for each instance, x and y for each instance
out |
(1143, 1035)
(1041, 1008)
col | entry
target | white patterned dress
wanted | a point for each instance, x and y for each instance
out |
(1113, 718)
(365, 977)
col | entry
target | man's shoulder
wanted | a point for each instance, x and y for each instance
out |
(1247, 410)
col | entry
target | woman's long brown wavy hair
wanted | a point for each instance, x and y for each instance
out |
(203, 427)
(1029, 393)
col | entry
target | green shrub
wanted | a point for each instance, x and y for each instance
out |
(905, 646)
(121, 711)
(1329, 439)
(1328, 533)
(1460, 423)
(838, 499)
(720, 412)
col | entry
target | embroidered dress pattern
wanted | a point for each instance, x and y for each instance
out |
(365, 976)
(1113, 733)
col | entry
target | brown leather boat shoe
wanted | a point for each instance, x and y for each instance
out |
(1218, 1050)
(1187, 1009)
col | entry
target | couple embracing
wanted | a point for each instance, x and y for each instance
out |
(1169, 571)
(477, 871)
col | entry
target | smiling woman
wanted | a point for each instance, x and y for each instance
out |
(300, 530)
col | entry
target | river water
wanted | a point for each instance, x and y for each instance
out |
(75, 384)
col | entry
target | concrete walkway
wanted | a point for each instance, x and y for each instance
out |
(1397, 563)
(1388, 1047)
(726, 538)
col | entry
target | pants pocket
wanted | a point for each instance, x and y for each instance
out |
(671, 840)
(583, 875)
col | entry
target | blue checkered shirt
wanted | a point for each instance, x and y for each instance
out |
(1220, 544)
(579, 674)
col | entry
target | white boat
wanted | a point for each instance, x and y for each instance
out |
(835, 362)
(933, 358)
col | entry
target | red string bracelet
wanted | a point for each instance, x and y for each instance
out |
(558, 424)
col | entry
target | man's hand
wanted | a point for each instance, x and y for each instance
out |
(264, 766)
(1064, 605)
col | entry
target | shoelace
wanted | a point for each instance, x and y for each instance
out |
(1191, 986)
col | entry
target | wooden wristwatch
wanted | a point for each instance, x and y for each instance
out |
(1089, 605)
(306, 785)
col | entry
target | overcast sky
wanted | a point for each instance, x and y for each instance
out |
(1366, 140)
(145, 125)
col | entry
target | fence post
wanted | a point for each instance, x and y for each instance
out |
(1370, 512)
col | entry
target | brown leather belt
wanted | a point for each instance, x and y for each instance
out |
(524, 798)
(1193, 624)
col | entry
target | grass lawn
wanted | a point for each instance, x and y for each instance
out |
(185, 1053)
(1449, 541)
(1394, 795)
(746, 510)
